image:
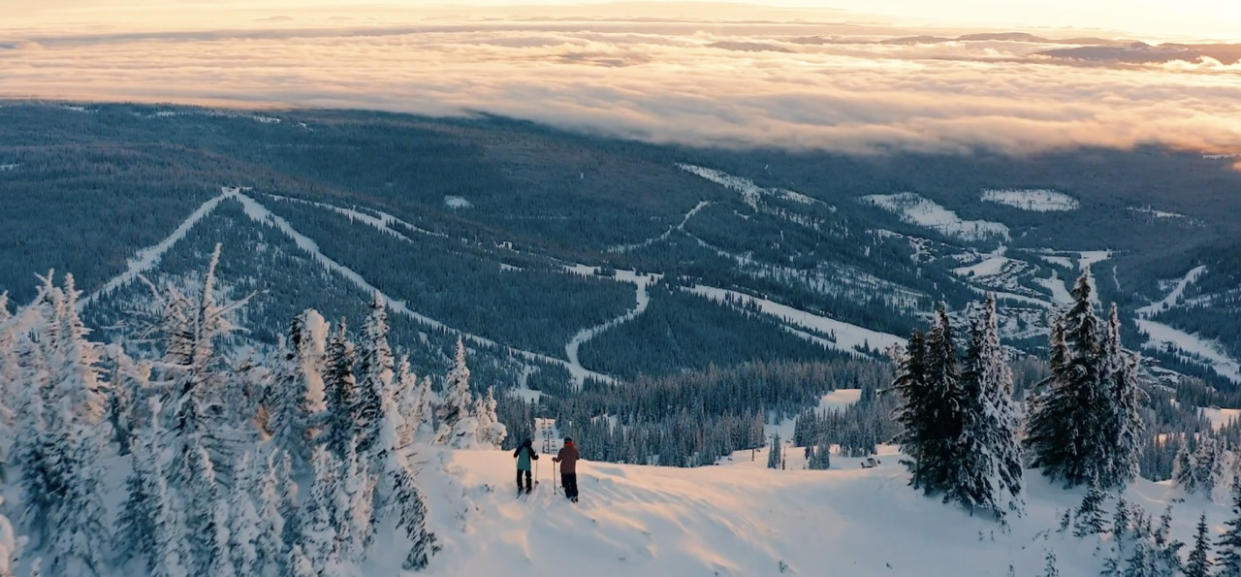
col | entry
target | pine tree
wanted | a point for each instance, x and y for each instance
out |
(1125, 429)
(933, 411)
(775, 457)
(913, 414)
(458, 427)
(320, 535)
(1088, 519)
(244, 523)
(1049, 567)
(1084, 424)
(397, 494)
(375, 371)
(1199, 564)
(1184, 470)
(491, 431)
(297, 389)
(1228, 559)
(341, 392)
(989, 468)
(272, 548)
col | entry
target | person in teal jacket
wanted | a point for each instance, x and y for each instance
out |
(524, 454)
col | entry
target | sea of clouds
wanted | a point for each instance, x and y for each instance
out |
(689, 78)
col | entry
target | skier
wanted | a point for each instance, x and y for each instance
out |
(524, 454)
(568, 468)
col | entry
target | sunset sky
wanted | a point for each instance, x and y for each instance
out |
(791, 73)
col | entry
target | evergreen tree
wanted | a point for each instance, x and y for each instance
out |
(1199, 564)
(376, 371)
(1084, 423)
(297, 391)
(1049, 566)
(989, 468)
(491, 431)
(933, 411)
(1125, 429)
(272, 548)
(341, 391)
(1229, 543)
(1184, 470)
(244, 523)
(458, 425)
(775, 457)
(1088, 519)
(320, 535)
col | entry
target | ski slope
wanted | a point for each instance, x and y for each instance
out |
(148, 258)
(643, 300)
(847, 337)
(919, 211)
(1175, 295)
(1190, 348)
(741, 519)
(260, 214)
(623, 248)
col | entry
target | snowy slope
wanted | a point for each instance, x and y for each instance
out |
(1033, 200)
(743, 519)
(926, 213)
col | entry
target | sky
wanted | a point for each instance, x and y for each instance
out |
(848, 75)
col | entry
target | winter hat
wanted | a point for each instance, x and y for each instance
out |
(568, 440)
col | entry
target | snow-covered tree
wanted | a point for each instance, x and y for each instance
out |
(321, 536)
(1084, 423)
(775, 456)
(933, 409)
(458, 424)
(1049, 565)
(62, 435)
(1228, 560)
(1125, 429)
(1089, 516)
(272, 547)
(355, 513)
(491, 431)
(297, 390)
(1199, 562)
(989, 462)
(397, 493)
(341, 394)
(244, 522)
(376, 371)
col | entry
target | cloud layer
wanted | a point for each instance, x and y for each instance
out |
(792, 84)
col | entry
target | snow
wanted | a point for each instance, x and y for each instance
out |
(266, 119)
(1034, 200)
(148, 258)
(849, 338)
(456, 202)
(1174, 297)
(741, 519)
(1190, 347)
(1060, 295)
(990, 266)
(1151, 212)
(920, 211)
(839, 399)
(664, 236)
(382, 222)
(1220, 418)
(9, 167)
(751, 193)
(1058, 260)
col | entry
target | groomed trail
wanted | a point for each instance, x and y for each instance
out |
(741, 519)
